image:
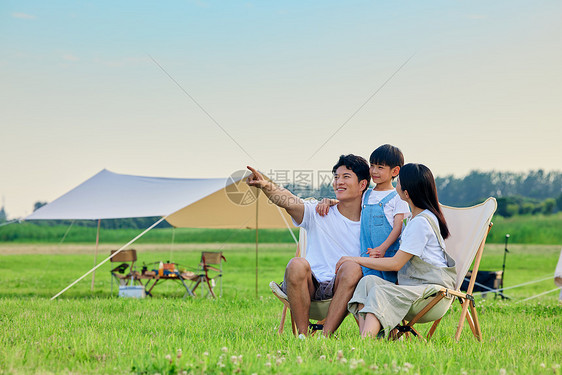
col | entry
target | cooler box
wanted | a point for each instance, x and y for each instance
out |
(132, 291)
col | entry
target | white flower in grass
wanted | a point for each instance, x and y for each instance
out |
(322, 357)
(543, 365)
(463, 372)
(179, 353)
(279, 361)
(408, 365)
(373, 367)
(503, 371)
(299, 359)
(353, 364)
(267, 364)
(339, 354)
(224, 349)
(258, 355)
(240, 358)
(169, 358)
(234, 359)
(206, 354)
(343, 360)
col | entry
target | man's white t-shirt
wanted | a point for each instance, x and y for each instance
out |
(418, 238)
(394, 206)
(328, 239)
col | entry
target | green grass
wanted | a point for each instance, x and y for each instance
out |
(89, 333)
(27, 232)
(528, 229)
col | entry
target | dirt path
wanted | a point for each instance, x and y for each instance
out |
(20, 249)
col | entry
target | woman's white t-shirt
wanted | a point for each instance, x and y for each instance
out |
(418, 238)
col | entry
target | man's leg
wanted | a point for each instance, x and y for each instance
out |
(347, 278)
(300, 289)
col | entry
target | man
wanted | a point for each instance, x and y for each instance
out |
(328, 239)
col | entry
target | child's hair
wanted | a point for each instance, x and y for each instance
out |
(387, 155)
(418, 180)
(357, 164)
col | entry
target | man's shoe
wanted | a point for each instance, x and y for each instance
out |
(276, 289)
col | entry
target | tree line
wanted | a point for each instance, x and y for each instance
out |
(534, 192)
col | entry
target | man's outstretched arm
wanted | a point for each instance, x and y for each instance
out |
(278, 195)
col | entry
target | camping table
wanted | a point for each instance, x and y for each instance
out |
(156, 278)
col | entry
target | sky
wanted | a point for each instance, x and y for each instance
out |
(197, 89)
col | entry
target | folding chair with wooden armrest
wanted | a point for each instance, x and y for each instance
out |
(127, 258)
(469, 228)
(209, 259)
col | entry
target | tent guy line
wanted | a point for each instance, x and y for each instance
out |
(108, 258)
(361, 106)
(201, 107)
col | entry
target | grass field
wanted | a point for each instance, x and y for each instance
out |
(92, 332)
(526, 229)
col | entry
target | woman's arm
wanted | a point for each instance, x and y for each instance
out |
(394, 263)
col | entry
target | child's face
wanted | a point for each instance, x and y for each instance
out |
(381, 174)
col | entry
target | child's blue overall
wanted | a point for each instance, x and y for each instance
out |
(375, 229)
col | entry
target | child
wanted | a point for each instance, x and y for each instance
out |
(382, 210)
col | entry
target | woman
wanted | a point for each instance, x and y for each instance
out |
(423, 265)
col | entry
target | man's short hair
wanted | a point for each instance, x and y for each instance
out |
(357, 165)
(388, 155)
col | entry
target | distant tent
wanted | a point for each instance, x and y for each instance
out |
(183, 202)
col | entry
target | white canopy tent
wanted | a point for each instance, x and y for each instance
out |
(194, 203)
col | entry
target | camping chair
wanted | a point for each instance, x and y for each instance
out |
(318, 309)
(469, 228)
(209, 259)
(127, 259)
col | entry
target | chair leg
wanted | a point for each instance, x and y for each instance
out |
(293, 325)
(282, 323)
(208, 282)
(477, 331)
(462, 318)
(433, 328)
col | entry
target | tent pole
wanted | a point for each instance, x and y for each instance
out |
(257, 247)
(96, 254)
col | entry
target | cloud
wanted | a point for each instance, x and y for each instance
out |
(23, 16)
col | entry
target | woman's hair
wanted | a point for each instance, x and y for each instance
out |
(418, 180)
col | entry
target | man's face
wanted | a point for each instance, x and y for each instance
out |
(346, 184)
